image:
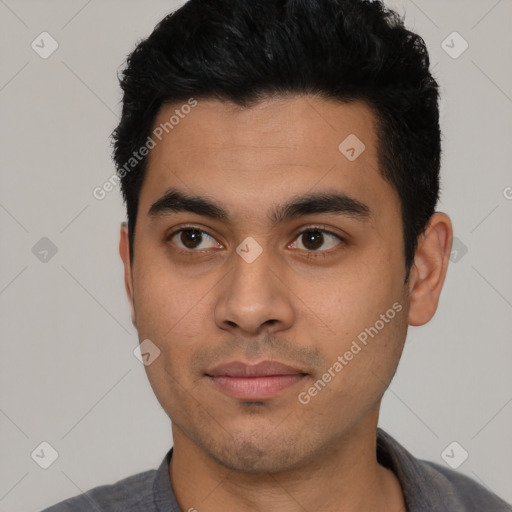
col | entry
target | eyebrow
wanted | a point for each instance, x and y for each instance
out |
(175, 201)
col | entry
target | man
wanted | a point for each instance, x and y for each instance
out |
(280, 160)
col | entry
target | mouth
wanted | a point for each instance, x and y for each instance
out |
(254, 382)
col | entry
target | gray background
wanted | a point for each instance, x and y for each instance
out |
(68, 375)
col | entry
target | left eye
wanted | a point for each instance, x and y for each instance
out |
(190, 239)
(314, 239)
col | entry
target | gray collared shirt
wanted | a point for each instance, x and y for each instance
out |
(427, 487)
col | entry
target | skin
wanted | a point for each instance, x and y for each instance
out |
(290, 304)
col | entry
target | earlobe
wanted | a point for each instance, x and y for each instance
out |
(124, 252)
(429, 268)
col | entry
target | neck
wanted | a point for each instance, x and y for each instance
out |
(344, 476)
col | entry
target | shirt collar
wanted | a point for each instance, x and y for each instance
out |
(423, 487)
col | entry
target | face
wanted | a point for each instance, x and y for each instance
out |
(269, 272)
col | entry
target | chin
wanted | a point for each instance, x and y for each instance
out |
(254, 454)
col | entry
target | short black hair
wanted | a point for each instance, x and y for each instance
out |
(245, 51)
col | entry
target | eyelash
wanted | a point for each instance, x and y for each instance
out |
(308, 254)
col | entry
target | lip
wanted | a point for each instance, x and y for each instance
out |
(254, 382)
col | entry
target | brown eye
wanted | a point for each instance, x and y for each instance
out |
(312, 240)
(317, 240)
(191, 238)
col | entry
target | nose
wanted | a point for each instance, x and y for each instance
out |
(254, 297)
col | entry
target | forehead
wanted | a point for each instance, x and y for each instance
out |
(280, 147)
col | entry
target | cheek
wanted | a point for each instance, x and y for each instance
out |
(364, 307)
(355, 296)
(173, 312)
(163, 297)
(362, 360)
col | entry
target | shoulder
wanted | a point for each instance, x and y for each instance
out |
(473, 496)
(430, 486)
(133, 493)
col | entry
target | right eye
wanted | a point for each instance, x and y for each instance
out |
(193, 240)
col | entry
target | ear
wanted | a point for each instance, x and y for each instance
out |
(429, 268)
(124, 252)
